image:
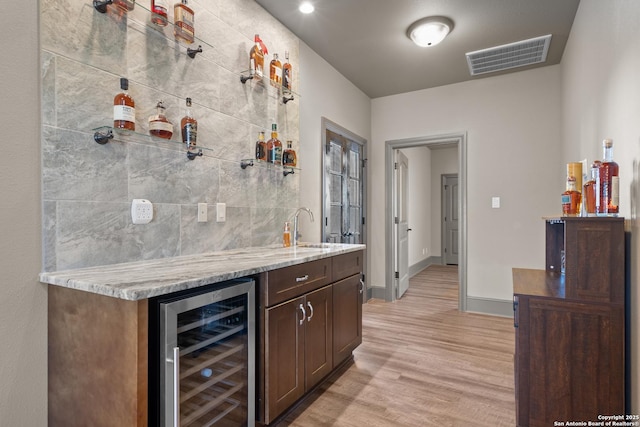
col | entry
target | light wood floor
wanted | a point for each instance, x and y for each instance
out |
(421, 363)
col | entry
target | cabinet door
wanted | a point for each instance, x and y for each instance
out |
(347, 317)
(318, 335)
(570, 361)
(284, 356)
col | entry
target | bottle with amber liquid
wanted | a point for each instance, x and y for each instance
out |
(261, 147)
(256, 59)
(184, 29)
(125, 5)
(590, 191)
(286, 235)
(275, 71)
(189, 127)
(571, 198)
(159, 125)
(124, 108)
(289, 157)
(286, 72)
(274, 147)
(608, 182)
(159, 12)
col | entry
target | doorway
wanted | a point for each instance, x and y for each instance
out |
(431, 142)
(450, 219)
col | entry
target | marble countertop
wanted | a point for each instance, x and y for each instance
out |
(145, 279)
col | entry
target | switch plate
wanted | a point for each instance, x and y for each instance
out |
(141, 211)
(495, 202)
(221, 212)
(202, 212)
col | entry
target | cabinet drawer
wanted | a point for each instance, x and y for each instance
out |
(346, 265)
(290, 282)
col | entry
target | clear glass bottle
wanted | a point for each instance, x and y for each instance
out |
(589, 190)
(275, 71)
(189, 127)
(608, 182)
(184, 28)
(159, 12)
(124, 108)
(289, 157)
(125, 5)
(274, 147)
(256, 58)
(571, 198)
(159, 125)
(261, 147)
(286, 72)
(286, 235)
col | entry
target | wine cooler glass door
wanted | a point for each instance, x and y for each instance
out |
(209, 358)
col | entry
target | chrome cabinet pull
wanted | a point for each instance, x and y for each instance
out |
(176, 386)
(304, 314)
(361, 286)
(311, 313)
(302, 279)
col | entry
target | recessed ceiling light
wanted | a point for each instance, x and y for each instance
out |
(306, 7)
(429, 31)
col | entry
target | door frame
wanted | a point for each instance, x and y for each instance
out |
(460, 139)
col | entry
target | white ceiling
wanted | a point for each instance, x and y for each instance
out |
(365, 40)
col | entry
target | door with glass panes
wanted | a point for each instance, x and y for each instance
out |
(343, 189)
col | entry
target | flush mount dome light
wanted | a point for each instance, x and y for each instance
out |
(429, 31)
(306, 7)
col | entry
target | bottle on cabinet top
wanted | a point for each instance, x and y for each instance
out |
(286, 72)
(274, 147)
(289, 157)
(261, 147)
(571, 198)
(589, 190)
(256, 58)
(159, 12)
(159, 125)
(184, 28)
(608, 182)
(124, 108)
(189, 128)
(275, 71)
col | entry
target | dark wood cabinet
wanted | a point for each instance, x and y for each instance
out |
(347, 317)
(569, 359)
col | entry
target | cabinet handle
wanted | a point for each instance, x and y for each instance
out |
(176, 386)
(302, 279)
(361, 286)
(515, 312)
(304, 314)
(311, 311)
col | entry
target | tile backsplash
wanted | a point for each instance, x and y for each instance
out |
(87, 188)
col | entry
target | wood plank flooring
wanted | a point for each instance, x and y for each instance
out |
(421, 363)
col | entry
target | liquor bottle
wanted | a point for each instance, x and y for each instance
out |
(124, 108)
(189, 127)
(286, 72)
(261, 147)
(571, 198)
(275, 71)
(609, 182)
(286, 235)
(159, 125)
(256, 59)
(125, 5)
(159, 12)
(274, 147)
(589, 190)
(289, 157)
(184, 22)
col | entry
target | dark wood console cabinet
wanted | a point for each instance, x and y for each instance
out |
(569, 358)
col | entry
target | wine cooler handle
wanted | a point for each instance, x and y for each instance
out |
(304, 314)
(311, 313)
(176, 386)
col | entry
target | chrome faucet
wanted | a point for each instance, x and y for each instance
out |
(295, 223)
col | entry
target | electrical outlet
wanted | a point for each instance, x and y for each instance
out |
(202, 212)
(495, 202)
(221, 212)
(141, 211)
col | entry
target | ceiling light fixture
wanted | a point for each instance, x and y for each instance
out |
(306, 7)
(429, 31)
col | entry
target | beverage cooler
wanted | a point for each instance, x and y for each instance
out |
(202, 356)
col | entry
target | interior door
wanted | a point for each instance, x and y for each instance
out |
(450, 218)
(343, 190)
(402, 223)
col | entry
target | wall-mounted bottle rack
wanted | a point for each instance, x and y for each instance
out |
(286, 170)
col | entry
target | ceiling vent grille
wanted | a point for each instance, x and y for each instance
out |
(512, 55)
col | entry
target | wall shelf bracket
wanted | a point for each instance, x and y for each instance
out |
(101, 5)
(103, 137)
(192, 52)
(245, 163)
(244, 78)
(193, 154)
(288, 171)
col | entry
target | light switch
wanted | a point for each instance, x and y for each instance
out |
(495, 202)
(221, 212)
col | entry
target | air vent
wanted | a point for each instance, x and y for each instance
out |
(512, 55)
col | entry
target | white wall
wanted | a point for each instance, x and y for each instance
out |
(23, 300)
(601, 99)
(419, 214)
(513, 138)
(443, 161)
